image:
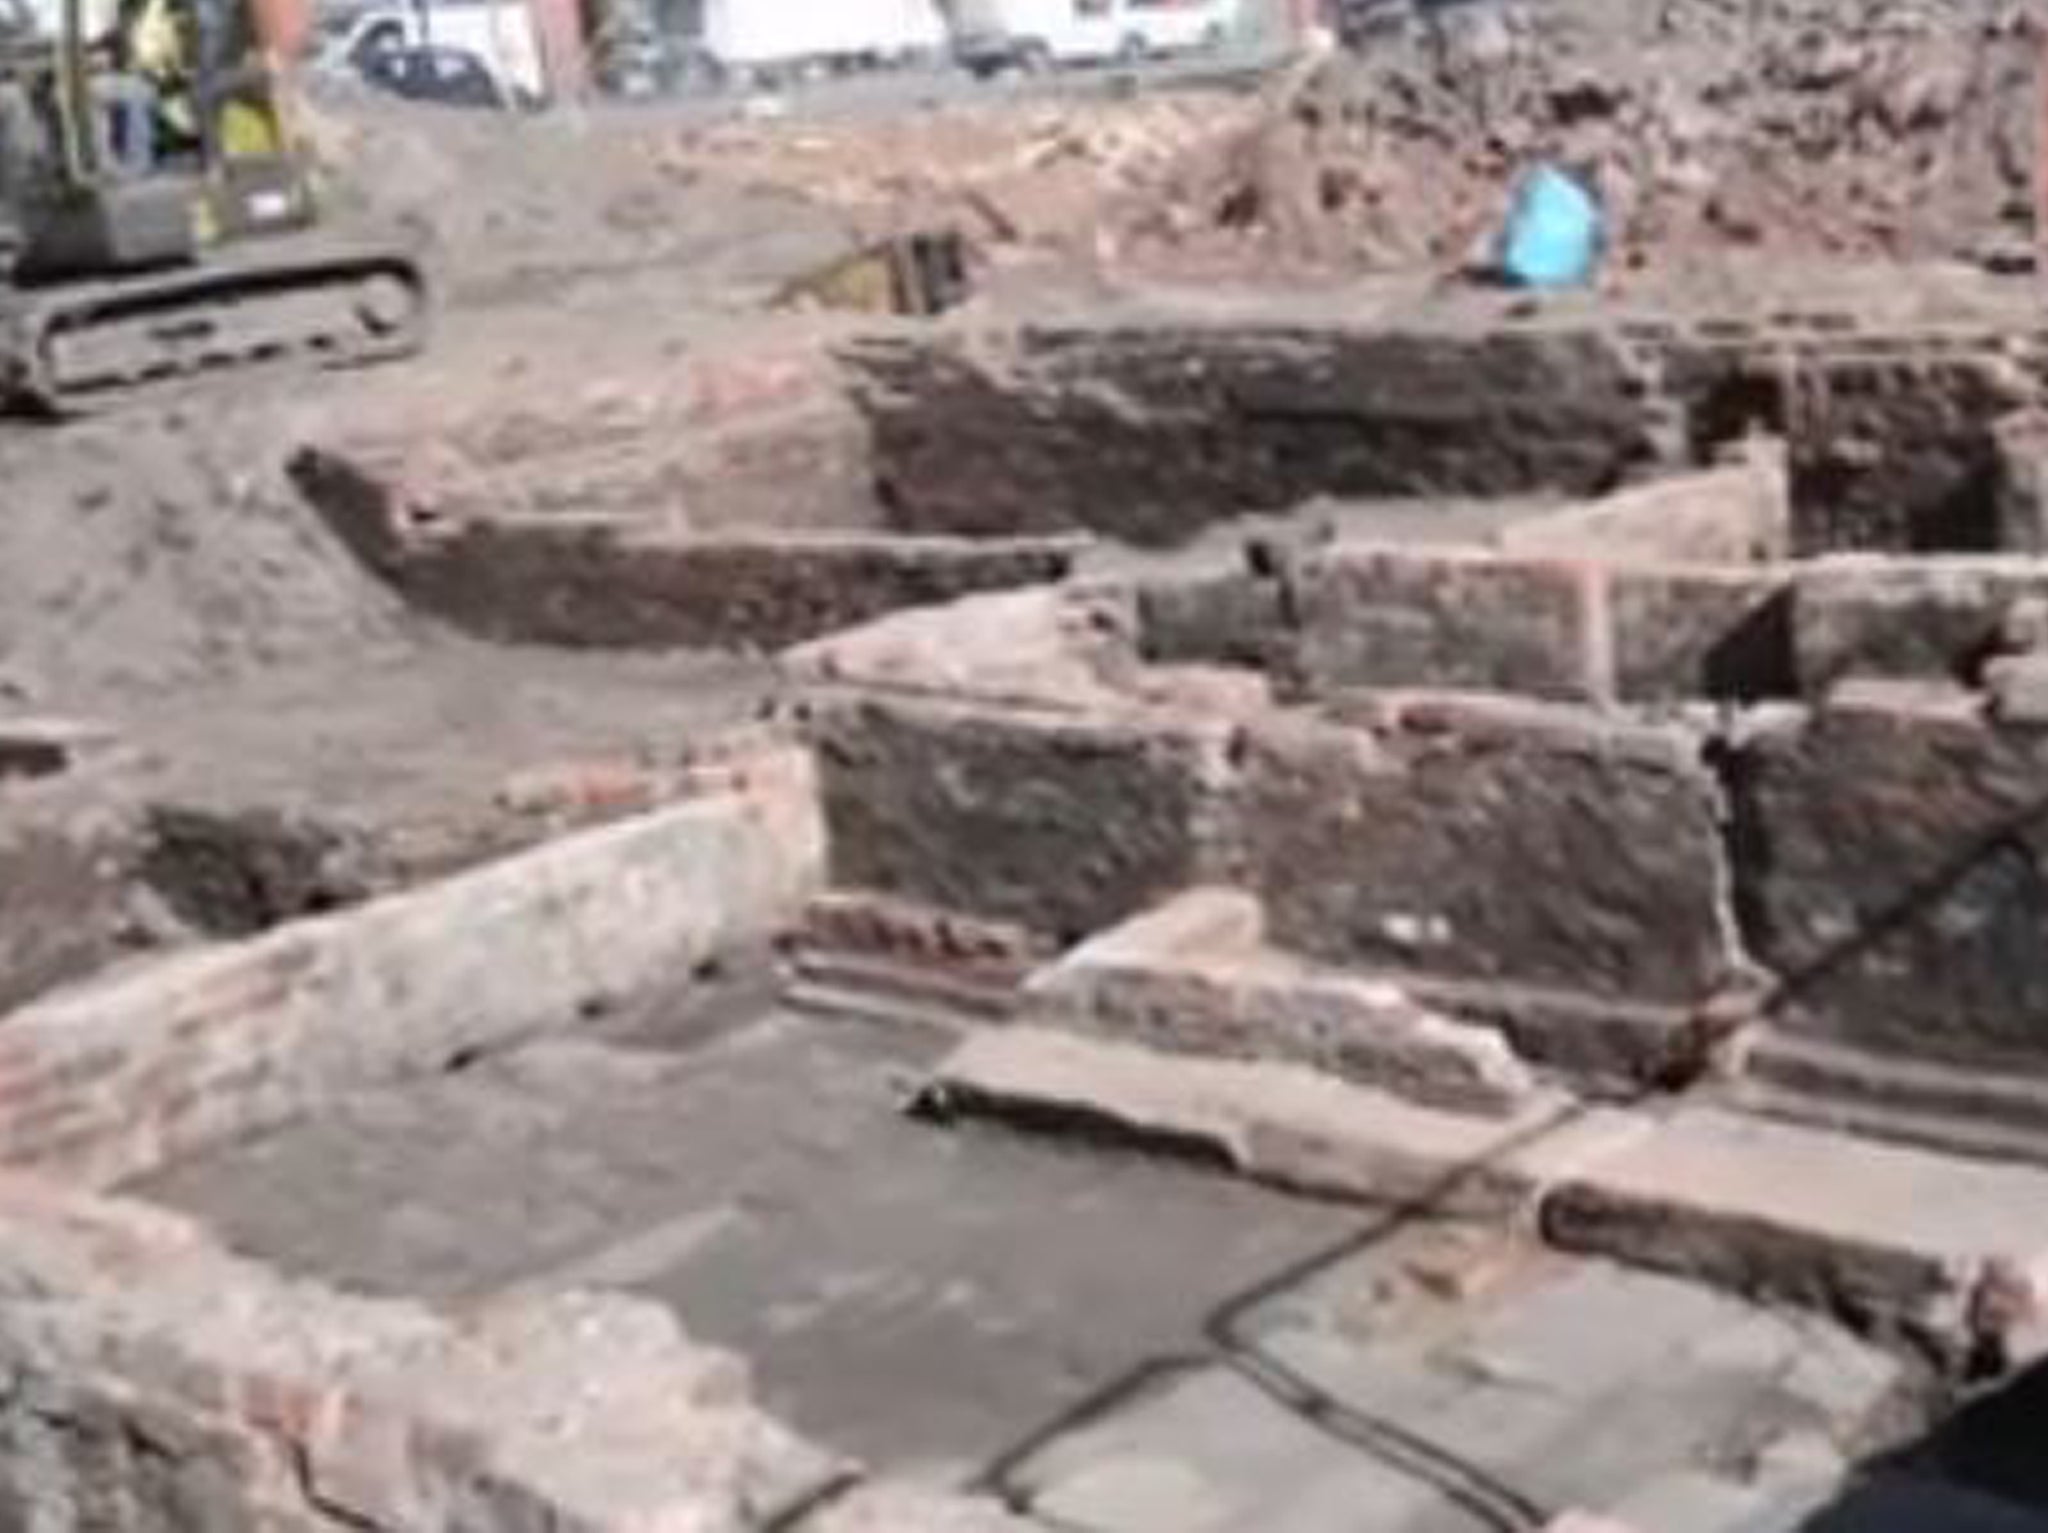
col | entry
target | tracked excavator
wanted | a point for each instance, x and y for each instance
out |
(157, 214)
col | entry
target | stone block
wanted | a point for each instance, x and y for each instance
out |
(1538, 847)
(619, 582)
(1893, 874)
(1054, 647)
(1062, 824)
(1921, 619)
(1150, 430)
(2018, 685)
(1685, 634)
(1896, 454)
(1208, 1450)
(891, 1508)
(1735, 514)
(1416, 618)
(1229, 617)
(1277, 1123)
(2021, 443)
(1900, 1237)
(1193, 977)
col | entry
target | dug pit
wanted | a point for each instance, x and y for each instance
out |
(1266, 923)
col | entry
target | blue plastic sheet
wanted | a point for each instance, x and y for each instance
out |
(1554, 232)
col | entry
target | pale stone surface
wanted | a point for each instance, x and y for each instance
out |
(1280, 1123)
(1348, 1405)
(1737, 514)
(1054, 647)
(2018, 685)
(1685, 634)
(889, 1508)
(1864, 615)
(1207, 1452)
(1191, 976)
(1813, 1216)
(1391, 617)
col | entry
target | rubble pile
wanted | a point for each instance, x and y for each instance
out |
(1894, 129)
(1034, 173)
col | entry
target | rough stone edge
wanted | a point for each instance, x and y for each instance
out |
(129, 1340)
(1285, 1125)
(1584, 1176)
(1193, 975)
(1064, 647)
(109, 1080)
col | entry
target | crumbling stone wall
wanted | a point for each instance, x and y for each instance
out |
(1494, 842)
(1062, 824)
(618, 583)
(151, 1383)
(104, 1081)
(1892, 856)
(1390, 617)
(1892, 440)
(1602, 868)
(1149, 432)
(1346, 619)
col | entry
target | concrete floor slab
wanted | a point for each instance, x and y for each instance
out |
(1131, 1345)
(907, 1294)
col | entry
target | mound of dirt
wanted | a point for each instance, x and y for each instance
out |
(1885, 129)
(510, 206)
(141, 555)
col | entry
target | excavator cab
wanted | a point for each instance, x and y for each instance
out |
(156, 212)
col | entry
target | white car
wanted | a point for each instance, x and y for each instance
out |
(994, 35)
(498, 33)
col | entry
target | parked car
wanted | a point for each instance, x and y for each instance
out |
(497, 33)
(443, 76)
(991, 36)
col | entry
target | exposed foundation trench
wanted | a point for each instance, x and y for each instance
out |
(1590, 850)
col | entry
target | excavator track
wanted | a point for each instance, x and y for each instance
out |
(81, 347)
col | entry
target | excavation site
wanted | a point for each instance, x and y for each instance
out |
(985, 788)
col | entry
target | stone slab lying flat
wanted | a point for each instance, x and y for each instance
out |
(890, 1508)
(1279, 1123)
(1954, 1251)
(920, 1298)
(1193, 976)
(1523, 1374)
(1208, 1451)
(1818, 1217)
(1483, 1410)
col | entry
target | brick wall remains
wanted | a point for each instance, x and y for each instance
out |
(106, 1080)
(1893, 844)
(154, 1384)
(623, 583)
(1063, 823)
(1149, 432)
(1505, 843)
